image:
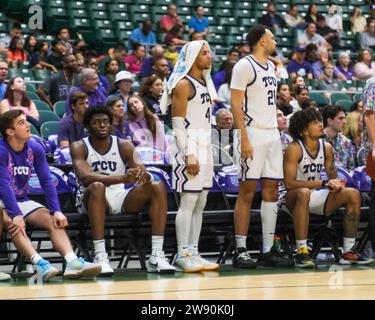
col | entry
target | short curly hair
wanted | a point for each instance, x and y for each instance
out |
(301, 120)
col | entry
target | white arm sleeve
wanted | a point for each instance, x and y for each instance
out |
(187, 146)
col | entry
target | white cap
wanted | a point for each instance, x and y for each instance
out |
(124, 75)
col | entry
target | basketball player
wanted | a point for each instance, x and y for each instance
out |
(18, 156)
(193, 169)
(304, 160)
(100, 162)
(253, 92)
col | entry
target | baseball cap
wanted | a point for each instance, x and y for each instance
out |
(124, 75)
(300, 49)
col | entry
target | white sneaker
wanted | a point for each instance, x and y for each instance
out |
(102, 259)
(207, 265)
(187, 264)
(4, 276)
(158, 263)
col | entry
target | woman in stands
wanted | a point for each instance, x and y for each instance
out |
(115, 104)
(30, 44)
(134, 61)
(344, 66)
(301, 93)
(16, 54)
(151, 92)
(110, 70)
(176, 36)
(283, 99)
(145, 128)
(312, 13)
(354, 130)
(15, 98)
(37, 60)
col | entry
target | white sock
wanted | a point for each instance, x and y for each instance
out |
(184, 220)
(35, 258)
(240, 241)
(268, 212)
(99, 246)
(196, 219)
(348, 244)
(301, 244)
(193, 250)
(157, 243)
(182, 251)
(71, 256)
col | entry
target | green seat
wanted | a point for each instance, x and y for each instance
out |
(312, 84)
(41, 105)
(349, 84)
(99, 15)
(30, 87)
(319, 98)
(120, 16)
(79, 23)
(118, 7)
(227, 21)
(357, 97)
(346, 104)
(139, 9)
(42, 74)
(223, 12)
(103, 24)
(361, 84)
(97, 6)
(45, 116)
(48, 128)
(60, 108)
(79, 14)
(339, 96)
(34, 130)
(32, 95)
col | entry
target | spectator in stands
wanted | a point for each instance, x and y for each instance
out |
(282, 126)
(224, 90)
(312, 14)
(344, 66)
(298, 66)
(271, 19)
(293, 19)
(15, 31)
(89, 83)
(63, 34)
(196, 36)
(283, 99)
(38, 59)
(3, 76)
(168, 21)
(143, 35)
(71, 126)
(104, 84)
(357, 106)
(57, 55)
(147, 65)
(332, 36)
(110, 70)
(79, 46)
(244, 49)
(309, 103)
(233, 56)
(134, 61)
(222, 138)
(176, 36)
(145, 128)
(300, 94)
(103, 188)
(310, 36)
(296, 82)
(160, 68)
(367, 39)
(150, 92)
(220, 76)
(358, 21)
(354, 131)
(115, 104)
(123, 84)
(15, 98)
(365, 67)
(333, 19)
(80, 64)
(16, 54)
(59, 86)
(323, 59)
(198, 23)
(30, 44)
(334, 123)
(311, 53)
(119, 54)
(26, 155)
(171, 53)
(329, 82)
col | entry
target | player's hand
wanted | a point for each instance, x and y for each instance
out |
(131, 175)
(18, 226)
(335, 185)
(143, 177)
(192, 165)
(247, 149)
(59, 220)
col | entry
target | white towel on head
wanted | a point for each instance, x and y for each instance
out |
(188, 54)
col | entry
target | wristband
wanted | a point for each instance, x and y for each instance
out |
(324, 182)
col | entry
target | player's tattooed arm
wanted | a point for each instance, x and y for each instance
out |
(330, 162)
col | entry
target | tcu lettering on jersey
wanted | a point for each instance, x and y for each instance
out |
(24, 171)
(104, 166)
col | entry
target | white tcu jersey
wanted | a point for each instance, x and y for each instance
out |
(260, 92)
(109, 163)
(310, 168)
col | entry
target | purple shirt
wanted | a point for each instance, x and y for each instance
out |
(15, 172)
(96, 98)
(348, 74)
(70, 130)
(300, 69)
(317, 68)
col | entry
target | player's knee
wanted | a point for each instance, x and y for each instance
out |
(270, 195)
(354, 197)
(303, 194)
(158, 188)
(96, 187)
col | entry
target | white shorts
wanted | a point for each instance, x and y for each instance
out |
(184, 182)
(115, 198)
(26, 207)
(267, 162)
(318, 200)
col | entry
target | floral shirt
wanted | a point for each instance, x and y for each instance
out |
(343, 151)
(368, 99)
